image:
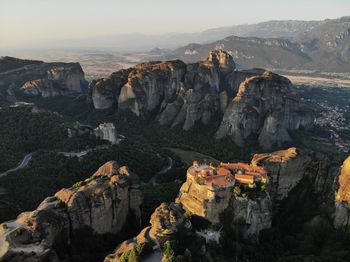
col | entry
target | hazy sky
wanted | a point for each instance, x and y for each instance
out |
(25, 22)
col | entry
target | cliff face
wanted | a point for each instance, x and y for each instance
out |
(178, 94)
(104, 93)
(294, 176)
(101, 203)
(256, 214)
(263, 103)
(288, 168)
(342, 197)
(204, 200)
(58, 79)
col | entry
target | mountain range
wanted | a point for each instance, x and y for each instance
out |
(286, 44)
(322, 46)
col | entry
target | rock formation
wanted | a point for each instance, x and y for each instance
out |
(264, 104)
(287, 168)
(255, 213)
(105, 92)
(253, 102)
(204, 199)
(165, 223)
(101, 203)
(210, 198)
(59, 79)
(342, 197)
(227, 205)
(107, 132)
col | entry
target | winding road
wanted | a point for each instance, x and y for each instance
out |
(25, 161)
(169, 166)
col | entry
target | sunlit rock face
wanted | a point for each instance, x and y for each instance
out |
(247, 102)
(43, 87)
(101, 203)
(60, 79)
(342, 197)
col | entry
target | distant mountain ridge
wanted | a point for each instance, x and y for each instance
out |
(324, 46)
(142, 42)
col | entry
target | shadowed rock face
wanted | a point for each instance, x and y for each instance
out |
(264, 105)
(60, 79)
(342, 197)
(101, 203)
(177, 94)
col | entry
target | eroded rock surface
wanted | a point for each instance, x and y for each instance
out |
(252, 102)
(255, 214)
(287, 168)
(216, 208)
(205, 200)
(59, 79)
(265, 103)
(101, 203)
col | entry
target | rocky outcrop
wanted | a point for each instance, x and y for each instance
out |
(253, 102)
(342, 197)
(264, 105)
(205, 200)
(287, 168)
(215, 208)
(43, 87)
(165, 223)
(104, 92)
(107, 132)
(210, 200)
(101, 203)
(59, 79)
(253, 215)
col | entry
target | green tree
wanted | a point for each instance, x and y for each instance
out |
(168, 252)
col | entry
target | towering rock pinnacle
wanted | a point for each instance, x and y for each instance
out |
(263, 103)
(252, 102)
